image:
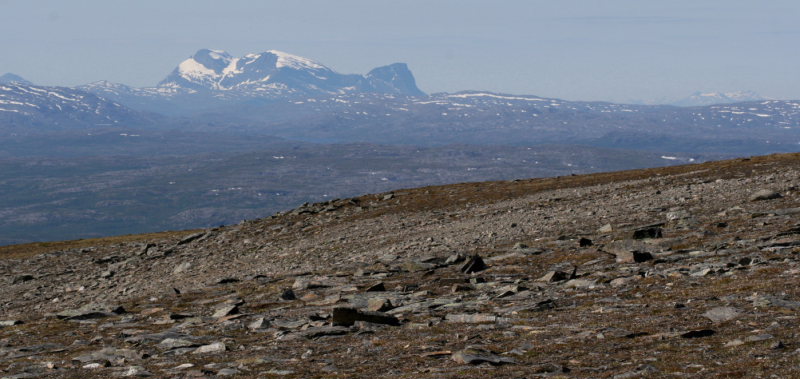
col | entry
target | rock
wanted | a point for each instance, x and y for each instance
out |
(721, 314)
(698, 333)
(106, 274)
(553, 276)
(477, 318)
(759, 338)
(228, 372)
(258, 324)
(110, 355)
(348, 316)
(477, 356)
(288, 294)
(226, 310)
(90, 311)
(379, 305)
(582, 284)
(584, 242)
(323, 331)
(455, 258)
(626, 256)
(415, 266)
(647, 232)
(474, 264)
(216, 347)
(607, 228)
(377, 287)
(5, 323)
(176, 343)
(137, 371)
(22, 278)
(765, 194)
(182, 267)
(191, 237)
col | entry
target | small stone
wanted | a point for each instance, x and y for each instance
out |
(106, 274)
(647, 232)
(584, 242)
(228, 372)
(216, 347)
(137, 371)
(765, 194)
(288, 294)
(175, 343)
(477, 356)
(759, 338)
(553, 276)
(377, 287)
(721, 314)
(698, 333)
(22, 279)
(455, 258)
(348, 316)
(625, 256)
(5, 323)
(379, 305)
(181, 267)
(607, 228)
(477, 318)
(475, 264)
(259, 323)
(226, 310)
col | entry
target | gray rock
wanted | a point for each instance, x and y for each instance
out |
(345, 316)
(226, 310)
(323, 331)
(22, 278)
(474, 264)
(228, 372)
(216, 347)
(476, 356)
(137, 371)
(5, 323)
(176, 343)
(182, 267)
(91, 311)
(765, 194)
(553, 276)
(477, 318)
(258, 324)
(648, 232)
(722, 314)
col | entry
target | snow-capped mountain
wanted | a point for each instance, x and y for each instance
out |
(36, 108)
(275, 73)
(13, 78)
(698, 99)
(210, 77)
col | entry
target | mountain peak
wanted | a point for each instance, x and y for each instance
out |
(13, 78)
(396, 76)
(275, 73)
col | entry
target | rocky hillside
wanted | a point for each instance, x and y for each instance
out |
(681, 271)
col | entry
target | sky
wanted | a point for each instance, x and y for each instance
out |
(614, 50)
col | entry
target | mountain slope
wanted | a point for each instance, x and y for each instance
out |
(670, 272)
(35, 109)
(12, 78)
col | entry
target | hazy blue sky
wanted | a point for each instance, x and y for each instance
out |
(617, 50)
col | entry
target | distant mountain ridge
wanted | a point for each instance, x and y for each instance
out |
(701, 98)
(9, 78)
